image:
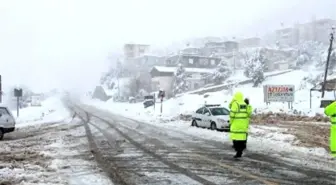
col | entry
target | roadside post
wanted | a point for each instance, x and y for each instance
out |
(162, 94)
(154, 99)
(17, 94)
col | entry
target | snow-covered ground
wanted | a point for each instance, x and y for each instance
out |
(49, 149)
(188, 103)
(51, 110)
(262, 138)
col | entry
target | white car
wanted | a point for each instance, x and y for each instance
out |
(7, 121)
(214, 117)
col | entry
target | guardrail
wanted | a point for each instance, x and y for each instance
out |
(226, 86)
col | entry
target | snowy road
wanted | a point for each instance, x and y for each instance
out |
(132, 152)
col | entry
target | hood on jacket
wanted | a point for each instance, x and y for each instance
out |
(238, 96)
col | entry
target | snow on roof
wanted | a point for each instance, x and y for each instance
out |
(189, 70)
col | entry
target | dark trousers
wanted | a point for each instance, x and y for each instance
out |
(239, 146)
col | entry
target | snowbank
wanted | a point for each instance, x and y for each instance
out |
(51, 110)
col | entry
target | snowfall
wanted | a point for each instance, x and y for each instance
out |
(48, 147)
(271, 139)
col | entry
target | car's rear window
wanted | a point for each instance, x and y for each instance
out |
(219, 111)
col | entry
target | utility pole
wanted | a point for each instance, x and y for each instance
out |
(328, 58)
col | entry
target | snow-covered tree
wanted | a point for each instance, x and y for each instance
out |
(254, 68)
(180, 80)
(323, 61)
(302, 59)
(258, 74)
(111, 76)
(310, 52)
(222, 72)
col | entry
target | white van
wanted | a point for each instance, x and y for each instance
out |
(7, 121)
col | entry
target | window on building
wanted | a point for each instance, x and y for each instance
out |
(191, 61)
(213, 62)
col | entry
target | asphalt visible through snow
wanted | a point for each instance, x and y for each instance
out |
(131, 152)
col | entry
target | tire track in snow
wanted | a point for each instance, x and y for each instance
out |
(111, 172)
(183, 170)
(205, 156)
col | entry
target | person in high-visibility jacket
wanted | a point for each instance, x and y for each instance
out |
(239, 122)
(330, 111)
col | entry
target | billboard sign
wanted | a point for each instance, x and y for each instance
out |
(279, 93)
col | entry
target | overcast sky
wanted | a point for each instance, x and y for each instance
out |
(64, 43)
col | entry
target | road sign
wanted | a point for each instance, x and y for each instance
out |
(18, 94)
(279, 93)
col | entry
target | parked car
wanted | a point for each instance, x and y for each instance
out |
(7, 121)
(214, 117)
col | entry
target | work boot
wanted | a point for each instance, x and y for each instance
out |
(238, 154)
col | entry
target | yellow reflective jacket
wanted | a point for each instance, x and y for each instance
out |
(330, 111)
(239, 118)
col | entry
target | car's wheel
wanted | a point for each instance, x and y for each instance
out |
(213, 126)
(1, 134)
(194, 123)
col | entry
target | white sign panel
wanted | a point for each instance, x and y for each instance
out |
(279, 93)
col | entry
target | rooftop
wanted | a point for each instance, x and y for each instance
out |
(188, 70)
(193, 55)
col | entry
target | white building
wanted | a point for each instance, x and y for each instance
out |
(135, 50)
(316, 30)
(162, 77)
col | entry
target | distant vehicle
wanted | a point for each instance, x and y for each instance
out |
(149, 101)
(214, 117)
(35, 101)
(131, 100)
(7, 121)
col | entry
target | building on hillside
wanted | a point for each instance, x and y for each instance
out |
(220, 48)
(250, 42)
(317, 30)
(135, 50)
(280, 65)
(191, 51)
(192, 61)
(147, 61)
(278, 59)
(288, 36)
(162, 77)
